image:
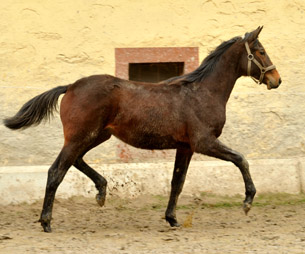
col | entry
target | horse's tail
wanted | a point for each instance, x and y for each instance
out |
(36, 109)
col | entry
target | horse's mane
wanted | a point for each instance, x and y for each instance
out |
(207, 66)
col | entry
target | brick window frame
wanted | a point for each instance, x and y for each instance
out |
(124, 56)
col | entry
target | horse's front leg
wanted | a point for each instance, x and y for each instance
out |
(218, 150)
(183, 158)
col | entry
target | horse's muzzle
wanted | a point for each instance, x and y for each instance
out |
(273, 82)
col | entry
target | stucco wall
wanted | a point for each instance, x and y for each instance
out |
(44, 44)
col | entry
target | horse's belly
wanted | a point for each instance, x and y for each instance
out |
(140, 138)
(149, 141)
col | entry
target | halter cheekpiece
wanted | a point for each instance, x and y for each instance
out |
(262, 68)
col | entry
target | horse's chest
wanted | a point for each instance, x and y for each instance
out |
(213, 119)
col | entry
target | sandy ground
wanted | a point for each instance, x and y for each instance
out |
(210, 225)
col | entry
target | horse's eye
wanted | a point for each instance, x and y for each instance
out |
(262, 53)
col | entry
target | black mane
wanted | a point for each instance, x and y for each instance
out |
(207, 66)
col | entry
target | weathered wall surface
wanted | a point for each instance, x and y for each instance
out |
(48, 43)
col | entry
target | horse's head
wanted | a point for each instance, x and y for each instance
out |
(257, 63)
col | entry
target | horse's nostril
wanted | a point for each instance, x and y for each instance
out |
(280, 81)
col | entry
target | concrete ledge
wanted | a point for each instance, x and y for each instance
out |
(27, 184)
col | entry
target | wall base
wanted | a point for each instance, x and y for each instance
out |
(27, 184)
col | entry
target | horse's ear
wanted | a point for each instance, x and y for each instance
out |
(254, 35)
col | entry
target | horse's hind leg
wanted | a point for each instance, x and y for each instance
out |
(100, 181)
(56, 174)
(183, 158)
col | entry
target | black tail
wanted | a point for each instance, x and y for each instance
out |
(36, 109)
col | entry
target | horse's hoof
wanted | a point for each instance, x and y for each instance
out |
(247, 208)
(100, 199)
(172, 222)
(46, 227)
(175, 225)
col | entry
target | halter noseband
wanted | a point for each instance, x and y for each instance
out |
(262, 69)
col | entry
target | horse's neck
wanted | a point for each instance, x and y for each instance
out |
(221, 82)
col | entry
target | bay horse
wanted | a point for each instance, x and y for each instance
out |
(186, 113)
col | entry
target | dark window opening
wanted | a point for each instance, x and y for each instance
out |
(155, 72)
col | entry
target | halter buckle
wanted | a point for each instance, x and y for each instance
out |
(250, 57)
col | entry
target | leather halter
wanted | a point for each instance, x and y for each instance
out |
(262, 68)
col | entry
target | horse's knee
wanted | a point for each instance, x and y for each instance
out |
(239, 160)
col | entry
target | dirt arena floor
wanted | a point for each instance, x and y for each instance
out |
(210, 224)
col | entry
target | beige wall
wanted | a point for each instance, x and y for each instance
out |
(48, 43)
